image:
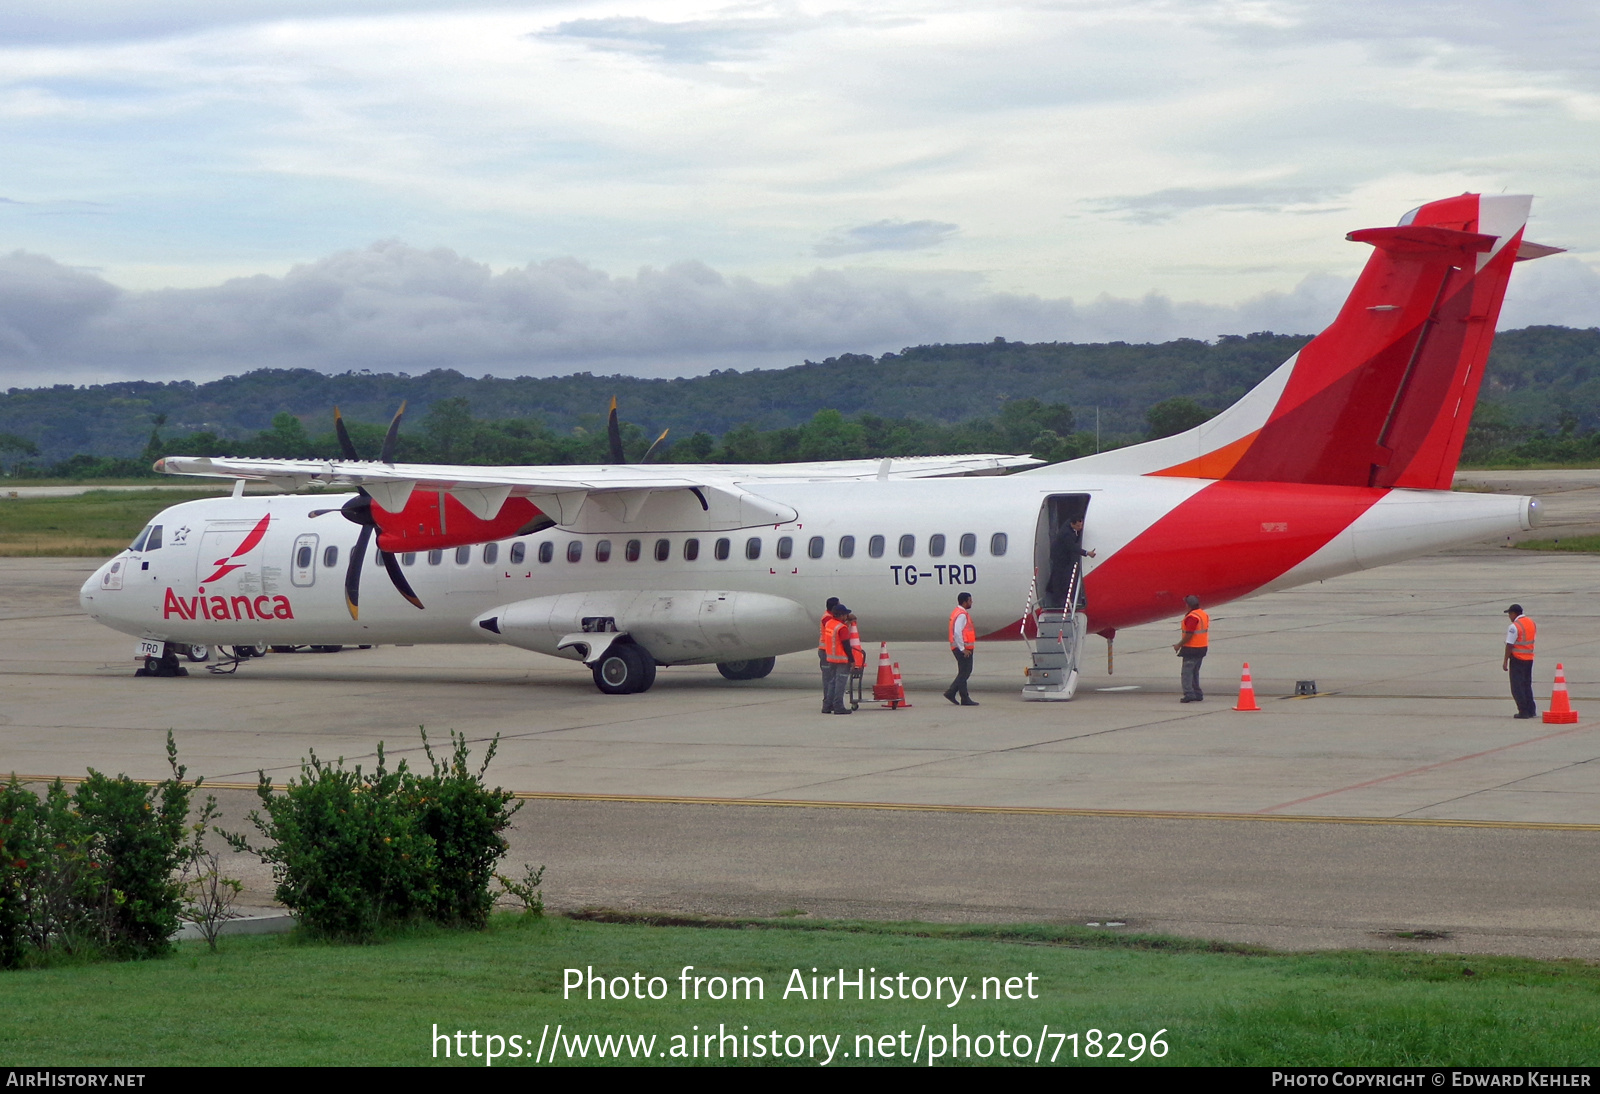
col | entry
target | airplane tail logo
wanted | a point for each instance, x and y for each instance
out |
(1383, 397)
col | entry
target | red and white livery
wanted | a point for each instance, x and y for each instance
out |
(1340, 460)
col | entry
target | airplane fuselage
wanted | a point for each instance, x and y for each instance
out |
(897, 552)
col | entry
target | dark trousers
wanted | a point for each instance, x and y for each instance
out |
(829, 676)
(958, 686)
(1522, 686)
(1191, 673)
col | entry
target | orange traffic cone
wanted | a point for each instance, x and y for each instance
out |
(1247, 692)
(1560, 711)
(884, 687)
(899, 690)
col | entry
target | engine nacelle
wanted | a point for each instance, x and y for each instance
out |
(433, 520)
(677, 627)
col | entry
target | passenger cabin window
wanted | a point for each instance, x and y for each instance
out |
(875, 547)
(785, 546)
(969, 545)
(847, 546)
(630, 550)
(997, 544)
(435, 557)
(408, 559)
(463, 554)
(302, 557)
(602, 551)
(752, 547)
(908, 546)
(330, 556)
(663, 550)
(575, 550)
(814, 548)
(691, 550)
(547, 551)
(720, 551)
(936, 546)
(519, 551)
(491, 551)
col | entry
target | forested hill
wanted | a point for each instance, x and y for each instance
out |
(941, 383)
(1539, 376)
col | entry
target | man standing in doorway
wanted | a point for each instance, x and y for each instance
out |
(1518, 660)
(963, 642)
(1192, 646)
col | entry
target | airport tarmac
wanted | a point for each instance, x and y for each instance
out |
(1402, 798)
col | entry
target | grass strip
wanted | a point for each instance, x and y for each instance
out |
(288, 1000)
(1584, 544)
(96, 524)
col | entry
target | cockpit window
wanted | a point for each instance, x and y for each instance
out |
(138, 543)
(149, 539)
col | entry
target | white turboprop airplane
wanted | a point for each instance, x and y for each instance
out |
(1340, 460)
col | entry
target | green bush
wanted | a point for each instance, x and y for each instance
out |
(355, 852)
(464, 819)
(92, 873)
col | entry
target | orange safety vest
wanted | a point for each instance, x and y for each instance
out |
(858, 656)
(1522, 648)
(969, 635)
(832, 632)
(822, 635)
(1200, 639)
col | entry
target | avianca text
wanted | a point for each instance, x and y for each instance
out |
(225, 607)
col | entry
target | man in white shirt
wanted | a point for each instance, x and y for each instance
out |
(963, 641)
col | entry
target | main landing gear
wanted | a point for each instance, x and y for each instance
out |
(755, 669)
(624, 669)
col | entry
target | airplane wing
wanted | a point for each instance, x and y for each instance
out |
(561, 490)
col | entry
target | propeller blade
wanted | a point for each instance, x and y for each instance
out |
(352, 573)
(398, 576)
(392, 436)
(651, 451)
(323, 512)
(614, 434)
(346, 445)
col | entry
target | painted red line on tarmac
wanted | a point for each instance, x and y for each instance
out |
(1426, 767)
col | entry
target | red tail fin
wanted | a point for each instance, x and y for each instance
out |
(1384, 396)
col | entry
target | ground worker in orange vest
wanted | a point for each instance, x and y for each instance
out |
(822, 653)
(963, 643)
(1518, 660)
(1192, 646)
(837, 672)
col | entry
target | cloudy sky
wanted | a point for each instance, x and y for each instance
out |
(190, 188)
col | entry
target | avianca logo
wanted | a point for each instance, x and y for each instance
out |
(227, 565)
(224, 607)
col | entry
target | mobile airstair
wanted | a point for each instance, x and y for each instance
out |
(1053, 675)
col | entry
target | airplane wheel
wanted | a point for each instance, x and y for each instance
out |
(259, 649)
(282, 649)
(623, 670)
(244, 653)
(754, 669)
(326, 649)
(199, 653)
